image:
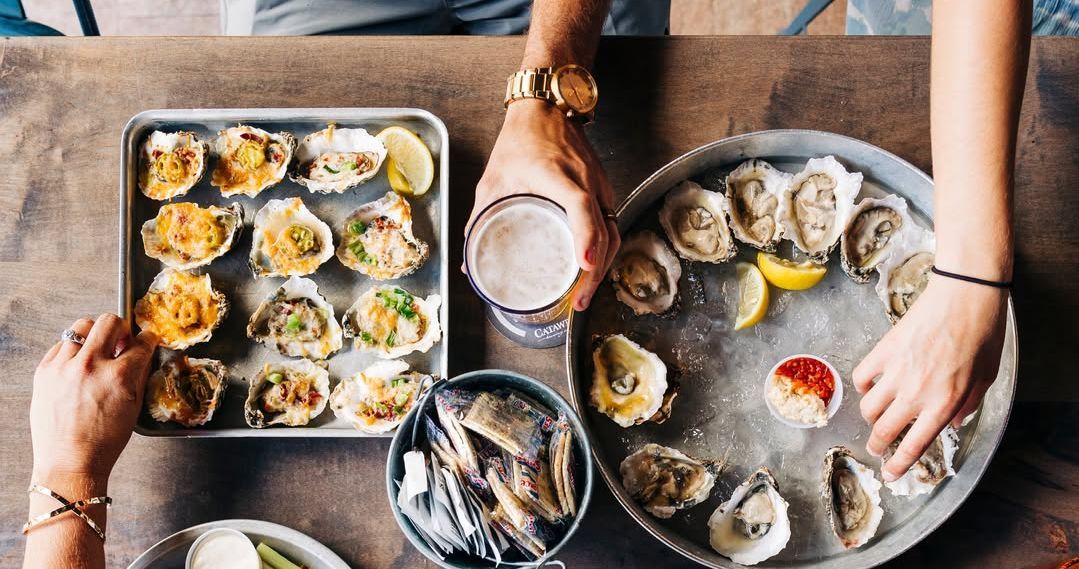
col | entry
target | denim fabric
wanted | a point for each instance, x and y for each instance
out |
(914, 17)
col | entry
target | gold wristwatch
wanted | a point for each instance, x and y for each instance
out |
(570, 88)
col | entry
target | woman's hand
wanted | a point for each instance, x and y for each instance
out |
(933, 368)
(540, 151)
(86, 400)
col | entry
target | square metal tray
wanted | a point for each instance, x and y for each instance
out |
(231, 275)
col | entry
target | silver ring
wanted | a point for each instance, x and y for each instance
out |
(72, 336)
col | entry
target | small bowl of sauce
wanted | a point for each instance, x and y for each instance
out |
(803, 391)
(223, 548)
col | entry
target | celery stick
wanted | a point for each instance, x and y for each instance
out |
(273, 558)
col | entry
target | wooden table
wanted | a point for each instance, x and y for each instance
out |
(63, 103)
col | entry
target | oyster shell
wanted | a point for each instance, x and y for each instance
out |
(170, 164)
(875, 226)
(663, 480)
(645, 274)
(186, 391)
(695, 221)
(288, 240)
(297, 321)
(753, 525)
(250, 160)
(336, 159)
(392, 322)
(817, 204)
(904, 273)
(290, 393)
(182, 308)
(378, 398)
(629, 383)
(932, 468)
(184, 235)
(852, 497)
(377, 239)
(754, 194)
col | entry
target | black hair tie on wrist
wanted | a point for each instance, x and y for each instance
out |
(975, 280)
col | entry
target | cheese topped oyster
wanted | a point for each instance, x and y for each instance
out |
(378, 398)
(695, 221)
(391, 322)
(288, 240)
(184, 235)
(935, 464)
(182, 308)
(753, 525)
(904, 273)
(754, 193)
(297, 321)
(645, 274)
(629, 383)
(852, 497)
(290, 393)
(250, 160)
(170, 164)
(817, 205)
(875, 226)
(377, 239)
(186, 390)
(336, 159)
(663, 480)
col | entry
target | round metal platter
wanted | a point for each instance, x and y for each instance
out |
(720, 411)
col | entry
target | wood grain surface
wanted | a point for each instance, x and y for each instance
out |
(64, 102)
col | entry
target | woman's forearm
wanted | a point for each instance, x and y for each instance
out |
(66, 540)
(979, 64)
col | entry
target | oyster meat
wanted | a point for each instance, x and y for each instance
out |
(753, 525)
(875, 226)
(186, 391)
(817, 205)
(629, 383)
(852, 497)
(663, 480)
(297, 321)
(904, 273)
(170, 164)
(695, 221)
(290, 393)
(378, 398)
(250, 160)
(932, 468)
(391, 322)
(288, 240)
(377, 239)
(184, 235)
(645, 274)
(336, 159)
(182, 308)
(754, 192)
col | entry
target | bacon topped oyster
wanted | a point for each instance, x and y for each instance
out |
(182, 308)
(378, 398)
(377, 239)
(288, 393)
(186, 390)
(336, 159)
(391, 322)
(184, 235)
(288, 240)
(170, 164)
(250, 160)
(297, 321)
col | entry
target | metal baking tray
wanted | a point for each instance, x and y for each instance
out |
(720, 410)
(230, 273)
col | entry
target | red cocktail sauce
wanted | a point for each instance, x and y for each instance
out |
(809, 375)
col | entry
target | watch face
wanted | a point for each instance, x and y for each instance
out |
(576, 87)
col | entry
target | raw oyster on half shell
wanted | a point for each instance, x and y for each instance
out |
(629, 383)
(852, 497)
(297, 321)
(250, 160)
(664, 480)
(184, 235)
(392, 322)
(904, 273)
(170, 164)
(875, 226)
(377, 239)
(288, 240)
(182, 308)
(753, 525)
(645, 274)
(290, 393)
(817, 205)
(695, 221)
(935, 464)
(378, 398)
(754, 193)
(186, 390)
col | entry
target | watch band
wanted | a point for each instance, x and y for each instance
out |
(530, 84)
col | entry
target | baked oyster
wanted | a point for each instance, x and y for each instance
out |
(753, 525)
(817, 204)
(184, 235)
(645, 274)
(186, 390)
(377, 239)
(695, 221)
(288, 240)
(629, 383)
(250, 160)
(663, 480)
(391, 322)
(290, 393)
(754, 194)
(378, 398)
(297, 321)
(852, 497)
(170, 164)
(182, 308)
(904, 273)
(935, 464)
(875, 225)
(336, 159)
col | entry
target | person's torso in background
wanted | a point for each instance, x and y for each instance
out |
(915, 17)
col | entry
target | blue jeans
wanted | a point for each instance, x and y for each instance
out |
(914, 17)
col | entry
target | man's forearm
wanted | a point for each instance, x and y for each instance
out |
(564, 31)
(979, 62)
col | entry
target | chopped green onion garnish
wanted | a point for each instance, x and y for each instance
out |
(401, 398)
(370, 260)
(398, 410)
(391, 338)
(397, 381)
(357, 228)
(293, 324)
(366, 337)
(350, 166)
(330, 170)
(357, 249)
(275, 378)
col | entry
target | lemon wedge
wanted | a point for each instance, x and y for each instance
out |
(409, 166)
(752, 296)
(787, 274)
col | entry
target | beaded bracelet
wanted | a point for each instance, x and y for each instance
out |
(73, 507)
(974, 280)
